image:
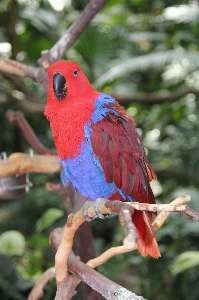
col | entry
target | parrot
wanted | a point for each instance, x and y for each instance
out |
(99, 147)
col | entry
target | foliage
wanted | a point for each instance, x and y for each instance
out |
(185, 261)
(131, 48)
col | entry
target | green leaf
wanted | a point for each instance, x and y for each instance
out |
(48, 218)
(185, 261)
(152, 61)
(12, 243)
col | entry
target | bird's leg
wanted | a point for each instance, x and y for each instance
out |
(96, 211)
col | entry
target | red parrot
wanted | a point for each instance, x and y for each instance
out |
(99, 147)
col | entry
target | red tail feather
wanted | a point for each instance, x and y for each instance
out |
(147, 243)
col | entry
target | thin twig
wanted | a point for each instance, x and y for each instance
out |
(37, 291)
(163, 215)
(184, 209)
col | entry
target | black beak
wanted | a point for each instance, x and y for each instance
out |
(59, 86)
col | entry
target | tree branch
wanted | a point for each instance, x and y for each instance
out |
(39, 75)
(83, 239)
(37, 291)
(74, 221)
(152, 98)
(109, 289)
(13, 67)
(68, 284)
(72, 34)
(103, 285)
(18, 118)
(20, 163)
(157, 224)
(57, 51)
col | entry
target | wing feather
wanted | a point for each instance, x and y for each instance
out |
(118, 146)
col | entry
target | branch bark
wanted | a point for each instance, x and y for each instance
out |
(83, 239)
(66, 287)
(160, 98)
(39, 74)
(109, 289)
(72, 34)
(57, 51)
(74, 222)
(37, 291)
(20, 163)
(18, 118)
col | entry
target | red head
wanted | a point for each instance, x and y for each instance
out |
(69, 107)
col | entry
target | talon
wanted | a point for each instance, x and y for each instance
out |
(96, 212)
(96, 208)
(84, 209)
(98, 202)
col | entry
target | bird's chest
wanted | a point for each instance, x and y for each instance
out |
(69, 133)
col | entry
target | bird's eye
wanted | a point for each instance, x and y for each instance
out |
(75, 72)
(59, 86)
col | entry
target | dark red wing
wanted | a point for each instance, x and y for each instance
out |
(118, 146)
(119, 149)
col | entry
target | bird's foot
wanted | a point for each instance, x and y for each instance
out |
(84, 209)
(96, 212)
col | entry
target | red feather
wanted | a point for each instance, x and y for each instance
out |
(119, 149)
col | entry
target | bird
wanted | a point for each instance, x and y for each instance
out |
(99, 147)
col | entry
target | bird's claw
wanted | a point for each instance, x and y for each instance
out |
(96, 212)
(84, 209)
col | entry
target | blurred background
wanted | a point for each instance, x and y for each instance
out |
(145, 54)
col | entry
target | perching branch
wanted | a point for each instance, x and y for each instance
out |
(157, 224)
(78, 268)
(74, 221)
